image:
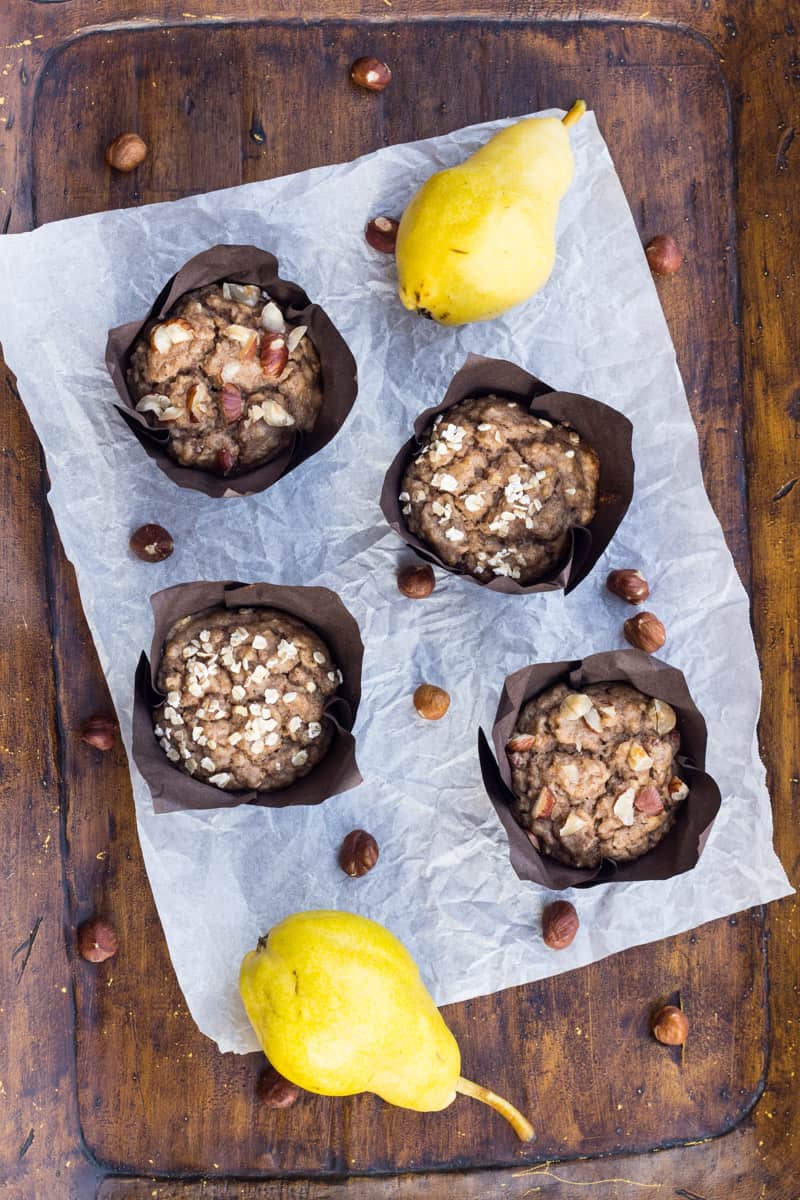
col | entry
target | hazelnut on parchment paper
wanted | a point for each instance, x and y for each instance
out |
(358, 853)
(629, 584)
(416, 582)
(645, 632)
(559, 924)
(431, 702)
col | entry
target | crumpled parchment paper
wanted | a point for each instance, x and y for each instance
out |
(443, 884)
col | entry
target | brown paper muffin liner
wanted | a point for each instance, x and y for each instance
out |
(601, 426)
(241, 264)
(681, 848)
(320, 608)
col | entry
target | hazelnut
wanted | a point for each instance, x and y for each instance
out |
(431, 702)
(416, 582)
(545, 804)
(274, 1091)
(663, 254)
(225, 460)
(151, 543)
(381, 233)
(559, 924)
(677, 789)
(273, 355)
(97, 940)
(645, 632)
(358, 853)
(648, 801)
(99, 731)
(629, 585)
(670, 1026)
(126, 152)
(231, 402)
(370, 73)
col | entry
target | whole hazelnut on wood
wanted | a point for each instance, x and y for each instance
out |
(274, 1091)
(358, 853)
(663, 255)
(416, 582)
(97, 940)
(630, 585)
(645, 632)
(151, 543)
(381, 233)
(431, 702)
(670, 1026)
(99, 731)
(126, 152)
(370, 73)
(559, 924)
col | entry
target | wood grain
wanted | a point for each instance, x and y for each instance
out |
(133, 1089)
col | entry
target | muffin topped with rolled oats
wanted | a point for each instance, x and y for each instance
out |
(594, 772)
(227, 378)
(495, 490)
(246, 691)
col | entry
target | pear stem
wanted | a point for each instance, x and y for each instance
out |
(575, 113)
(521, 1125)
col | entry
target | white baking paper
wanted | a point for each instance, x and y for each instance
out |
(443, 883)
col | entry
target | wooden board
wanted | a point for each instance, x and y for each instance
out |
(151, 1094)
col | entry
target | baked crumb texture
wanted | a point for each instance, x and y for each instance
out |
(495, 490)
(246, 691)
(229, 381)
(594, 772)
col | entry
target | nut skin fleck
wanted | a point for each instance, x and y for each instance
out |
(645, 632)
(670, 1026)
(358, 853)
(559, 924)
(381, 234)
(520, 742)
(431, 702)
(663, 255)
(99, 731)
(97, 940)
(126, 152)
(416, 582)
(370, 73)
(225, 461)
(274, 1091)
(151, 543)
(630, 585)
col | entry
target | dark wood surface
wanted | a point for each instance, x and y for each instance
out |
(102, 1070)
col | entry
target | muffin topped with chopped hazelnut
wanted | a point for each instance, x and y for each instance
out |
(246, 691)
(227, 378)
(495, 490)
(594, 772)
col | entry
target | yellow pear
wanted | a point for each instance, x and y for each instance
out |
(479, 238)
(339, 1007)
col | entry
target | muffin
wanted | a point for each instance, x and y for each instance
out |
(246, 691)
(225, 377)
(495, 490)
(594, 772)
